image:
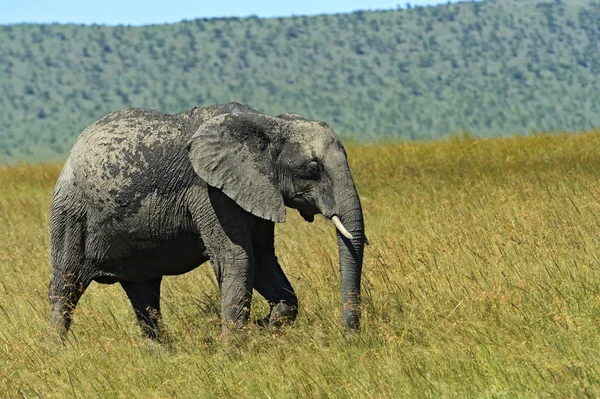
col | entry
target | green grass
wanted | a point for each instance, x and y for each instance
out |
(482, 280)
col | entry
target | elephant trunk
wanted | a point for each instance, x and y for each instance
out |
(349, 211)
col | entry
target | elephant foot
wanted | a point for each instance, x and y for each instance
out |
(282, 314)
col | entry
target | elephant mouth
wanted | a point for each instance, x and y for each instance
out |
(307, 216)
(310, 217)
(306, 209)
(308, 213)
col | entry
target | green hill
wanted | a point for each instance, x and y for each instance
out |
(490, 68)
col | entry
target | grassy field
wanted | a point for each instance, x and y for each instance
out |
(482, 280)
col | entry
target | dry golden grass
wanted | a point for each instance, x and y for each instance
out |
(483, 280)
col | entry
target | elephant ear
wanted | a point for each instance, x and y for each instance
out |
(231, 152)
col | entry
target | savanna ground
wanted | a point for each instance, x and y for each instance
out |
(482, 280)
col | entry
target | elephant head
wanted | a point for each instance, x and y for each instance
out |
(266, 163)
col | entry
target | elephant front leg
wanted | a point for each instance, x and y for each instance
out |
(226, 231)
(270, 280)
(271, 283)
(235, 275)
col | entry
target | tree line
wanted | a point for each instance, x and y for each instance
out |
(489, 68)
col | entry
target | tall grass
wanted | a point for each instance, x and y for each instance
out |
(482, 280)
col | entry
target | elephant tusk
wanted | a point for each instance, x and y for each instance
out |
(338, 224)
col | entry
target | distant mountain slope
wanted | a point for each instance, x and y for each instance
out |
(492, 68)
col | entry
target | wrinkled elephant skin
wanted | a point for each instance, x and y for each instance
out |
(145, 194)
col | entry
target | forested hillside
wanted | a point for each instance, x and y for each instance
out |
(491, 68)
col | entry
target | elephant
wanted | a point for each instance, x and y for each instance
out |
(145, 194)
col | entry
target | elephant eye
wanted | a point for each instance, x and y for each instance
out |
(313, 169)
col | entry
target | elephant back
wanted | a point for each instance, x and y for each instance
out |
(120, 160)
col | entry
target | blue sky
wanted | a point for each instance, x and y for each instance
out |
(139, 12)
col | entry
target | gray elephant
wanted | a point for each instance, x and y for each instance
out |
(145, 194)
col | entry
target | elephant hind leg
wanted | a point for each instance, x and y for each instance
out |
(64, 292)
(70, 271)
(145, 299)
